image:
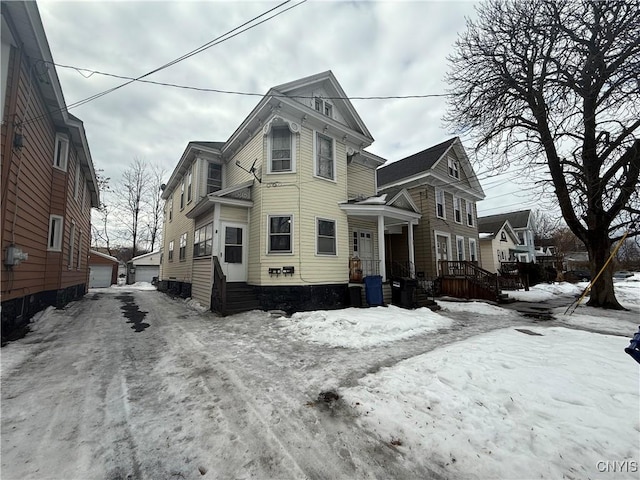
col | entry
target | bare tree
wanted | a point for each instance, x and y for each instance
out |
(132, 200)
(155, 207)
(554, 83)
(544, 225)
(100, 215)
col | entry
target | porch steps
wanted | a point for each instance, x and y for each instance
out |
(241, 298)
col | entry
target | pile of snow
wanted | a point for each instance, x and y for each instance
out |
(363, 327)
(477, 307)
(546, 291)
(507, 404)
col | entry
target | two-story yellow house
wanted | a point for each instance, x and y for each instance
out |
(284, 214)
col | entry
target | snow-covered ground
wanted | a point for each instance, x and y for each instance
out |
(471, 391)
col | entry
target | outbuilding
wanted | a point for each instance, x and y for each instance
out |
(144, 268)
(103, 270)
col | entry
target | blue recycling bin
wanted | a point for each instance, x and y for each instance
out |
(373, 290)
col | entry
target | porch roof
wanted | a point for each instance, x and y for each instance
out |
(392, 215)
(233, 196)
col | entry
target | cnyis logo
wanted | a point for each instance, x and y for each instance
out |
(618, 466)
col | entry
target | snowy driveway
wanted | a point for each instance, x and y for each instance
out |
(133, 384)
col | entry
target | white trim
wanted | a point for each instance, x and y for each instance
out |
(315, 156)
(473, 250)
(76, 183)
(469, 209)
(457, 200)
(436, 234)
(56, 244)
(269, 128)
(335, 236)
(444, 204)
(291, 236)
(72, 244)
(61, 162)
(460, 240)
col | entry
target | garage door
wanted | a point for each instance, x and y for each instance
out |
(145, 273)
(100, 276)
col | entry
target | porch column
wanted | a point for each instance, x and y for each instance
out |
(412, 256)
(381, 250)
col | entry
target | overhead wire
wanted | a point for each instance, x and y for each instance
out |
(216, 41)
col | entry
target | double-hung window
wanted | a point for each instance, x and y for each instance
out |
(440, 205)
(183, 247)
(281, 151)
(214, 177)
(469, 213)
(171, 208)
(323, 106)
(460, 248)
(203, 241)
(453, 168)
(473, 250)
(280, 234)
(182, 194)
(61, 152)
(56, 225)
(171, 251)
(325, 159)
(189, 184)
(326, 243)
(72, 245)
(457, 209)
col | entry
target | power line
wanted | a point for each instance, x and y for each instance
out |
(233, 92)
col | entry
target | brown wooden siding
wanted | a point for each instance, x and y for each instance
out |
(32, 190)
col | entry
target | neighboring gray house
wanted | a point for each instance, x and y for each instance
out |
(522, 224)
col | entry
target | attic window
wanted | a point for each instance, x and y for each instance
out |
(323, 106)
(453, 168)
(503, 237)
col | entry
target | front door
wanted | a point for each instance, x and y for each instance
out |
(366, 254)
(234, 255)
(442, 249)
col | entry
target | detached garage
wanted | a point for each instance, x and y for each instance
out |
(103, 270)
(144, 268)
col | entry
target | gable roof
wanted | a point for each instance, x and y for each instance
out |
(489, 230)
(413, 164)
(187, 158)
(519, 219)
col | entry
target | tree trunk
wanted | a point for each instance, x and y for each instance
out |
(602, 294)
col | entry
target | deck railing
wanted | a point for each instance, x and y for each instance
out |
(359, 268)
(466, 279)
(219, 288)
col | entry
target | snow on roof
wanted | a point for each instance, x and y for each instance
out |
(104, 255)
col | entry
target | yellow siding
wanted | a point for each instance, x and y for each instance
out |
(361, 181)
(176, 269)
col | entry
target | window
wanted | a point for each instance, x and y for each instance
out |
(453, 168)
(189, 182)
(469, 208)
(323, 106)
(457, 209)
(72, 244)
(280, 149)
(503, 236)
(79, 261)
(61, 153)
(203, 241)
(521, 238)
(171, 208)
(326, 244)
(355, 243)
(76, 185)
(214, 177)
(324, 157)
(182, 195)
(183, 247)
(460, 248)
(440, 210)
(280, 234)
(171, 251)
(473, 250)
(232, 244)
(55, 233)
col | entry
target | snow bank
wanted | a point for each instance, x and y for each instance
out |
(363, 327)
(510, 405)
(547, 291)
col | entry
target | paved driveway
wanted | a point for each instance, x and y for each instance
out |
(134, 384)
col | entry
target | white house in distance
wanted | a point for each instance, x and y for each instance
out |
(144, 268)
(522, 224)
(274, 216)
(498, 242)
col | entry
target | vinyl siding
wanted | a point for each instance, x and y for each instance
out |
(361, 181)
(201, 286)
(177, 269)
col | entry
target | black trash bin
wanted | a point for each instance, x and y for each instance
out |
(355, 296)
(402, 292)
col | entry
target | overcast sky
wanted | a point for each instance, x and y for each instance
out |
(373, 49)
